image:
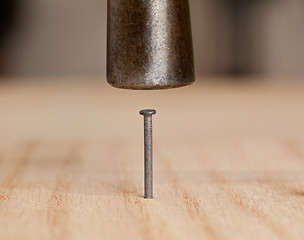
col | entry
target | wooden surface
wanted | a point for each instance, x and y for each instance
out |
(228, 162)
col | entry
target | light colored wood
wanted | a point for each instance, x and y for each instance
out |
(228, 162)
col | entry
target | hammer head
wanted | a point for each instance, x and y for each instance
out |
(149, 44)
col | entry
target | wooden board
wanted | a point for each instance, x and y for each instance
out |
(228, 162)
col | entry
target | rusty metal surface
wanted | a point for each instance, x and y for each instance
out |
(149, 44)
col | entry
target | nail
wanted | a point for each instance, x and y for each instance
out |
(148, 158)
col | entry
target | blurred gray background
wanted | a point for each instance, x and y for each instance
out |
(231, 37)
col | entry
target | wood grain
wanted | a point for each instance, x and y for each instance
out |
(228, 162)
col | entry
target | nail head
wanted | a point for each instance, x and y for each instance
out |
(147, 112)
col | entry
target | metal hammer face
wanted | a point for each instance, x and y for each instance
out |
(149, 44)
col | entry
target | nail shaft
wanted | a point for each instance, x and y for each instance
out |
(148, 152)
